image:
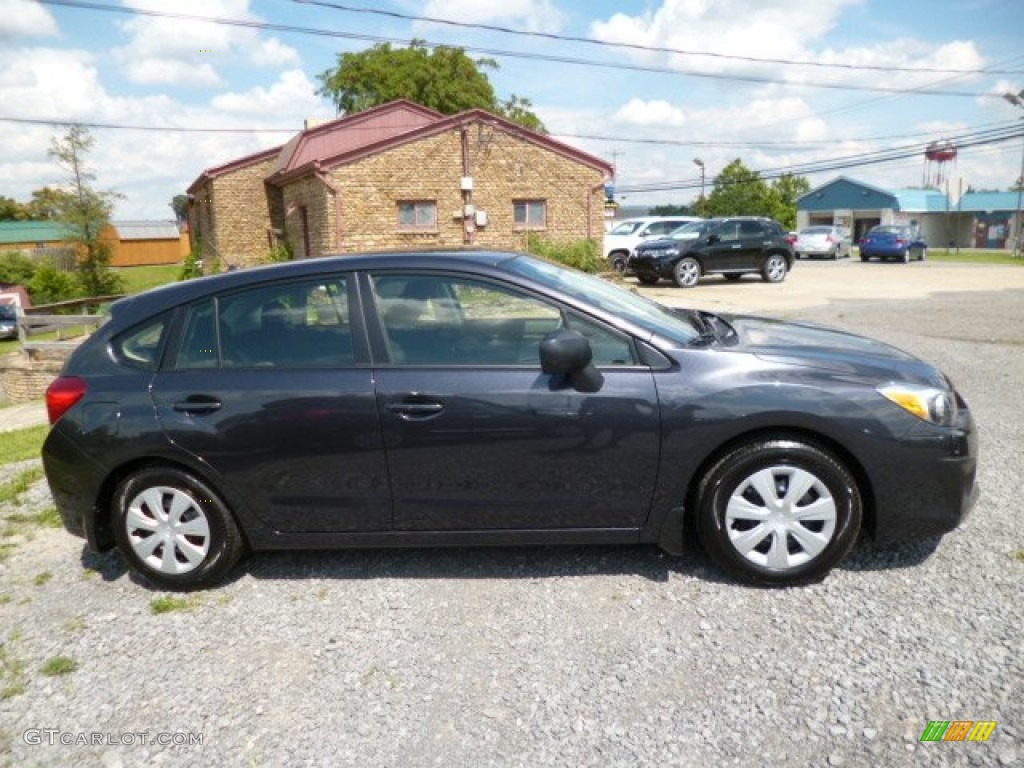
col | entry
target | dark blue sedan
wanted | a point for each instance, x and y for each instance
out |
(893, 241)
(479, 398)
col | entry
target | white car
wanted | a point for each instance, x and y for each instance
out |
(823, 240)
(627, 234)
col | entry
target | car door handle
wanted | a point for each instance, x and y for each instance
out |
(198, 404)
(416, 410)
(737, 246)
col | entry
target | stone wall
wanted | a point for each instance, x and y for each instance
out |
(504, 168)
(236, 226)
(23, 379)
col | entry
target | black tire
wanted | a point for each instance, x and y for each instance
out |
(647, 279)
(774, 269)
(922, 254)
(182, 510)
(864, 258)
(619, 263)
(686, 272)
(743, 547)
(905, 256)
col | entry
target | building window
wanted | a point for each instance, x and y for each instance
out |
(530, 214)
(417, 215)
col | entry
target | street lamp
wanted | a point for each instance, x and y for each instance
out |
(697, 161)
(1017, 99)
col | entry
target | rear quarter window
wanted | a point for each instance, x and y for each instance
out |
(142, 346)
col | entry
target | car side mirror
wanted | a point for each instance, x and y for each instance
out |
(567, 353)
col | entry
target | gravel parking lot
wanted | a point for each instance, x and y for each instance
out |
(558, 657)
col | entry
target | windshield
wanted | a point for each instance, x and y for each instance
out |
(626, 228)
(610, 298)
(7, 312)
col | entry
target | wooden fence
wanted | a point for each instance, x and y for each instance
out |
(48, 318)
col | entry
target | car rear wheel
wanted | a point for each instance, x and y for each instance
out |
(922, 254)
(174, 530)
(774, 269)
(686, 273)
(905, 256)
(778, 511)
(619, 263)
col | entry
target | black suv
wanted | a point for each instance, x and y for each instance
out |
(732, 247)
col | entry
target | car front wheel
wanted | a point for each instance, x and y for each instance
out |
(778, 512)
(174, 530)
(774, 269)
(686, 273)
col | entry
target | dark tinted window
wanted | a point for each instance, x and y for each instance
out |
(7, 312)
(290, 325)
(729, 230)
(198, 347)
(142, 345)
(284, 325)
(447, 320)
(752, 229)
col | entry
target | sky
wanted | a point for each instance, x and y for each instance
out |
(811, 86)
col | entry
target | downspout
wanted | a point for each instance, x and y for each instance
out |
(322, 176)
(468, 225)
(599, 187)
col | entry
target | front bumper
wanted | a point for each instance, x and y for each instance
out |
(926, 484)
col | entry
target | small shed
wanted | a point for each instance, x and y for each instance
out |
(140, 243)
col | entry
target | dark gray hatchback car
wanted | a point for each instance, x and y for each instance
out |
(489, 398)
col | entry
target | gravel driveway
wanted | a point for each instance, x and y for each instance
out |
(552, 657)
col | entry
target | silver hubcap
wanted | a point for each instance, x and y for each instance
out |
(689, 273)
(776, 269)
(780, 517)
(168, 530)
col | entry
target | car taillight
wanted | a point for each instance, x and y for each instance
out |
(831, 238)
(901, 242)
(63, 393)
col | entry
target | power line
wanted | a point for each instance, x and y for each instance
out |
(267, 26)
(159, 128)
(643, 48)
(835, 164)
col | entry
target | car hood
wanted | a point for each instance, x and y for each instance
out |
(828, 348)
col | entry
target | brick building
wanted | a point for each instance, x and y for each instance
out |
(399, 177)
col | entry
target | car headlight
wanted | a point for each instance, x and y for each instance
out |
(928, 403)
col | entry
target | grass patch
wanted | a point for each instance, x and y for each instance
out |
(973, 257)
(13, 489)
(6, 548)
(22, 444)
(1019, 555)
(59, 665)
(42, 578)
(12, 673)
(171, 603)
(139, 279)
(76, 624)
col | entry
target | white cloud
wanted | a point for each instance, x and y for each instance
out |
(184, 52)
(530, 15)
(20, 18)
(274, 53)
(293, 94)
(792, 30)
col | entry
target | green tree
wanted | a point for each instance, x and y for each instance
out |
(84, 212)
(739, 191)
(180, 205)
(12, 210)
(786, 189)
(671, 210)
(45, 204)
(444, 79)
